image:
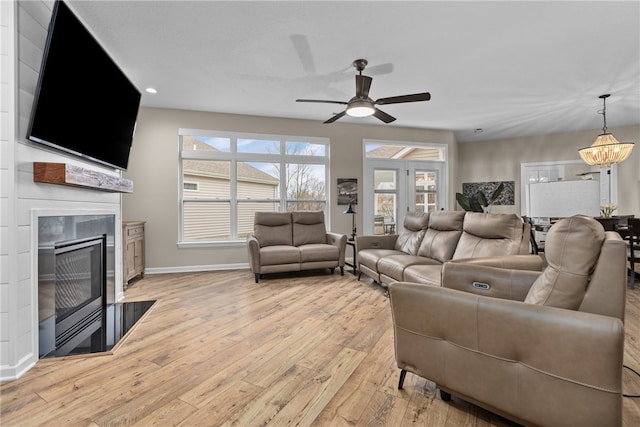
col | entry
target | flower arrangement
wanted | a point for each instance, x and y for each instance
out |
(607, 210)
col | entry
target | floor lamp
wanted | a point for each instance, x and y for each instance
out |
(352, 212)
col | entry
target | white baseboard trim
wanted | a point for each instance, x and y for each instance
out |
(196, 268)
(12, 373)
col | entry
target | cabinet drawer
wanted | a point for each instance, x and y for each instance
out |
(135, 231)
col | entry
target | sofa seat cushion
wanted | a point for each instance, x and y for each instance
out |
(370, 257)
(393, 266)
(316, 252)
(279, 254)
(425, 274)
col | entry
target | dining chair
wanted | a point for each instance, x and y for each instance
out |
(631, 234)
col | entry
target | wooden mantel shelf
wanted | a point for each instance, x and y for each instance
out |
(75, 176)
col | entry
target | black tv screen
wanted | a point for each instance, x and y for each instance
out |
(84, 103)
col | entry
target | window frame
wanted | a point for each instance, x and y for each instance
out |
(233, 156)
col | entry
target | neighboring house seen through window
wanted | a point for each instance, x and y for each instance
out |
(227, 177)
(190, 186)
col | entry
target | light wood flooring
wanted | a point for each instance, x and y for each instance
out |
(218, 349)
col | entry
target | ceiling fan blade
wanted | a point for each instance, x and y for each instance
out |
(301, 45)
(404, 98)
(363, 84)
(383, 116)
(322, 101)
(376, 70)
(336, 117)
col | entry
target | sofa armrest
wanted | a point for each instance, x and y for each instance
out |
(253, 249)
(339, 240)
(516, 262)
(463, 341)
(386, 241)
(496, 282)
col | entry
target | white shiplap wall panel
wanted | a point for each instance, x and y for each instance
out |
(8, 276)
(24, 236)
(29, 190)
(33, 22)
(4, 275)
(30, 55)
(4, 296)
(28, 22)
(25, 101)
(4, 209)
(28, 78)
(25, 293)
(5, 182)
(33, 26)
(5, 122)
(40, 12)
(5, 70)
(24, 321)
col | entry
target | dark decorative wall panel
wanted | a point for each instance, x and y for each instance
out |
(471, 189)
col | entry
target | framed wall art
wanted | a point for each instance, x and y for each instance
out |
(347, 191)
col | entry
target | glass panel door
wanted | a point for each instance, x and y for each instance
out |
(426, 190)
(385, 204)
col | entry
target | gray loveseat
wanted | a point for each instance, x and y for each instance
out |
(428, 240)
(293, 241)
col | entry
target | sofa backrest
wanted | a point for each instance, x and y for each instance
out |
(308, 227)
(442, 235)
(273, 228)
(485, 235)
(607, 290)
(414, 229)
(586, 269)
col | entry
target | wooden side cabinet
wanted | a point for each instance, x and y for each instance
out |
(132, 250)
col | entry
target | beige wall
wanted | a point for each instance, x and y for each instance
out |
(500, 161)
(153, 167)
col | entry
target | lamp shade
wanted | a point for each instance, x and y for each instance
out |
(605, 151)
(349, 210)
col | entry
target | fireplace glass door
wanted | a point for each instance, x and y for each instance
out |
(79, 285)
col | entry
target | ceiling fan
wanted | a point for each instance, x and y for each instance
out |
(361, 105)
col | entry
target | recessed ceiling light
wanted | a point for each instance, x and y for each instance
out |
(151, 90)
(478, 130)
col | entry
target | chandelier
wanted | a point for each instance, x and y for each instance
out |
(605, 150)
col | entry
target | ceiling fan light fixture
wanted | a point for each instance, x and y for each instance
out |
(360, 108)
(605, 150)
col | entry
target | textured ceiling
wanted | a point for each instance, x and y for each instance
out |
(510, 68)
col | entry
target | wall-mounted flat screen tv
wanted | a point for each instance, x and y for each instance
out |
(84, 103)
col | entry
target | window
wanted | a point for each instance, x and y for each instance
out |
(190, 186)
(226, 177)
